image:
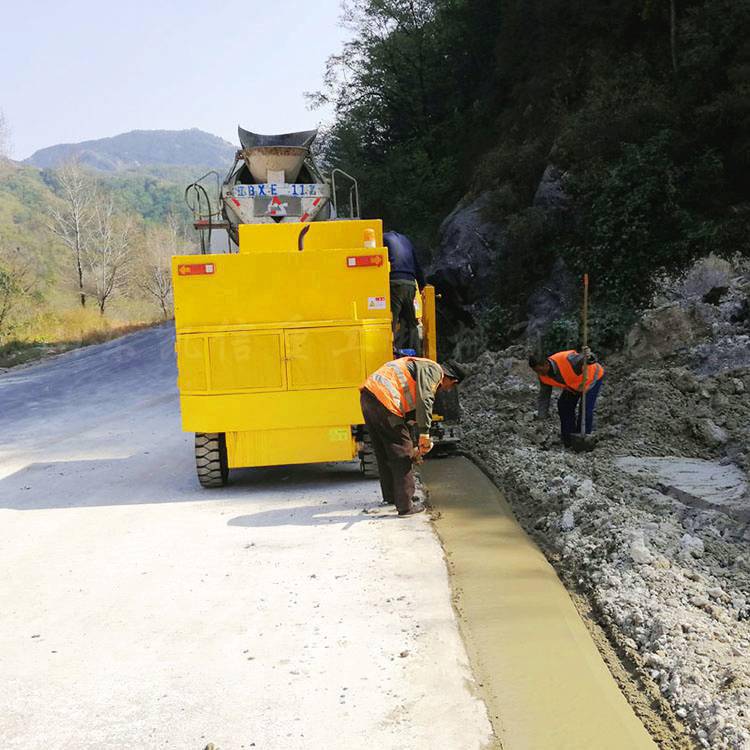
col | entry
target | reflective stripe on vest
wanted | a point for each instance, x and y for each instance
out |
(573, 380)
(393, 385)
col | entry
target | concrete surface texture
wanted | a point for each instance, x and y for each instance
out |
(694, 481)
(544, 681)
(142, 611)
(667, 574)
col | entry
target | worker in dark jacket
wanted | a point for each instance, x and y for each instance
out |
(564, 370)
(399, 392)
(406, 279)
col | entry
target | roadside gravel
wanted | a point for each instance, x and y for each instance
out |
(664, 560)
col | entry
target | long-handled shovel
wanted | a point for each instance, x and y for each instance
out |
(583, 442)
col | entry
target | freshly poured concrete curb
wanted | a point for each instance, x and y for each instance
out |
(545, 683)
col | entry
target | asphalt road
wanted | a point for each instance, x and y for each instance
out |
(138, 610)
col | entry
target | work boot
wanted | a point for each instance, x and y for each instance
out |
(415, 508)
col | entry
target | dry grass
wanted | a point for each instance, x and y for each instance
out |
(50, 333)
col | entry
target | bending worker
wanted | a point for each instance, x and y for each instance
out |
(398, 392)
(565, 370)
(406, 277)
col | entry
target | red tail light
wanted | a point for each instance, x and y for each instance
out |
(195, 269)
(360, 261)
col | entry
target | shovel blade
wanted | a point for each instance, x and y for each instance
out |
(582, 443)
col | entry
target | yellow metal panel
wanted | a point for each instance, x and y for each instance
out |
(290, 446)
(246, 361)
(191, 363)
(429, 323)
(235, 412)
(418, 304)
(378, 346)
(321, 235)
(274, 343)
(275, 288)
(325, 357)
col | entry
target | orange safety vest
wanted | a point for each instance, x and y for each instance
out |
(573, 380)
(393, 385)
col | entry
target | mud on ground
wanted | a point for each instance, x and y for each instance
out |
(661, 549)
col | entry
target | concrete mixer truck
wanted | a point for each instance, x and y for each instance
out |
(276, 334)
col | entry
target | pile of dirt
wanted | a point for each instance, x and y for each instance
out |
(662, 552)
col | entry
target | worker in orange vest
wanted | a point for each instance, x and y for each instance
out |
(399, 392)
(564, 370)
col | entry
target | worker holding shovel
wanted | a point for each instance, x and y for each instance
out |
(580, 377)
(565, 370)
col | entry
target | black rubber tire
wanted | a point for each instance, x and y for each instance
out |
(367, 463)
(211, 459)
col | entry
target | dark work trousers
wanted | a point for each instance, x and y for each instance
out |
(404, 317)
(570, 419)
(391, 442)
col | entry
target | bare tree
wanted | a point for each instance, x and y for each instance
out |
(17, 282)
(656, 9)
(73, 222)
(386, 65)
(4, 137)
(107, 255)
(161, 244)
(673, 32)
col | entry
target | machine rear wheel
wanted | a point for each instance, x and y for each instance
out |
(367, 463)
(211, 459)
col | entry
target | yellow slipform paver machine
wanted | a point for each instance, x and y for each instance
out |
(275, 335)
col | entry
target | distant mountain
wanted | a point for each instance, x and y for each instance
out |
(141, 149)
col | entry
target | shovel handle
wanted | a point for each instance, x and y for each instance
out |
(585, 310)
(585, 351)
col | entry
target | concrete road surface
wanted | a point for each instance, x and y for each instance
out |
(139, 611)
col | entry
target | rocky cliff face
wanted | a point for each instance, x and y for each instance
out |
(557, 294)
(463, 273)
(709, 317)
(464, 269)
(550, 195)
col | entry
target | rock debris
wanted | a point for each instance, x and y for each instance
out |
(662, 550)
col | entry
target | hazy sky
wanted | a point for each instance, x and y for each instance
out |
(77, 69)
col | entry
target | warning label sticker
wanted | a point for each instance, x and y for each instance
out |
(339, 434)
(376, 303)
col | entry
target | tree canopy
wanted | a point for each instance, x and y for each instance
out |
(643, 104)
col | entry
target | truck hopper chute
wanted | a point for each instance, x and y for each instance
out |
(274, 180)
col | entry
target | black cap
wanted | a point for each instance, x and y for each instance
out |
(453, 370)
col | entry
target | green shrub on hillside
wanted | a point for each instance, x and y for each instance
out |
(648, 119)
(637, 216)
